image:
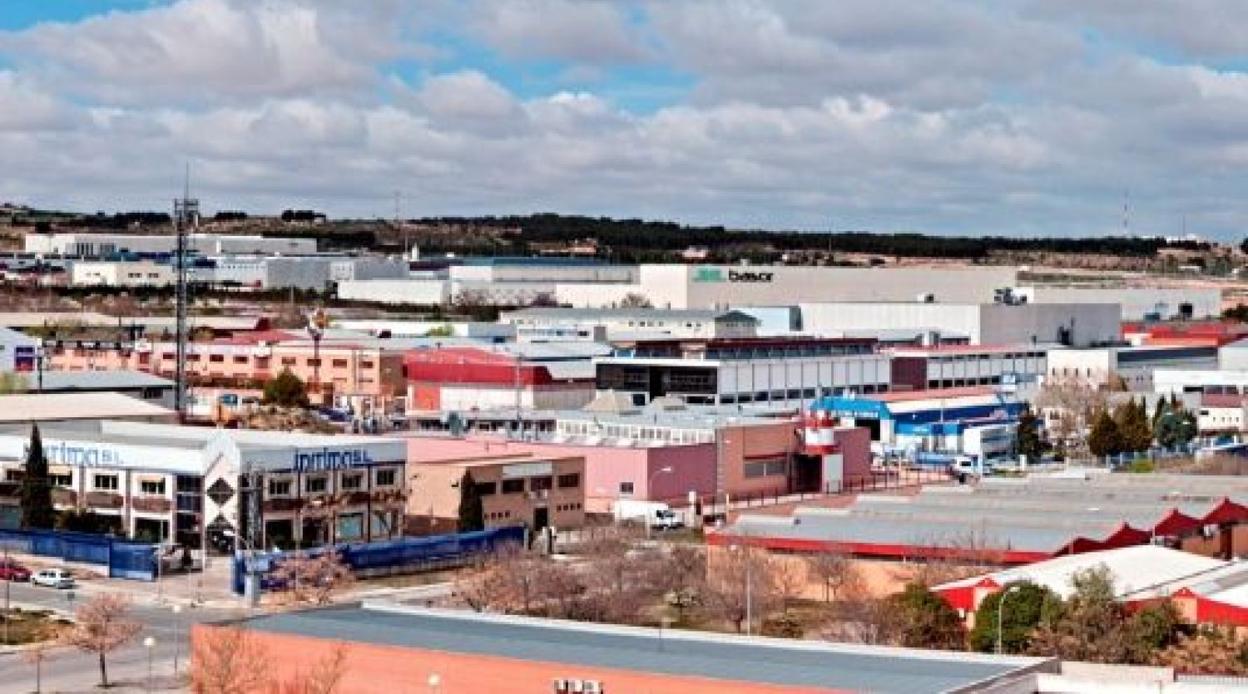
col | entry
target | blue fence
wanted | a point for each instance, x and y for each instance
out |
(124, 558)
(405, 555)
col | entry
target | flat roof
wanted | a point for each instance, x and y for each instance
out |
(759, 660)
(100, 380)
(43, 407)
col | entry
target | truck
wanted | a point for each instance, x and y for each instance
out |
(656, 514)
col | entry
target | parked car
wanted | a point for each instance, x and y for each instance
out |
(53, 578)
(12, 571)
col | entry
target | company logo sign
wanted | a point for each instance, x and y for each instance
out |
(714, 274)
(84, 455)
(331, 459)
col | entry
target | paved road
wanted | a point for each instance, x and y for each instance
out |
(68, 670)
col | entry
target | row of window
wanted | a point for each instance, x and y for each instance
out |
(568, 507)
(570, 480)
(319, 484)
(263, 361)
(766, 468)
(100, 482)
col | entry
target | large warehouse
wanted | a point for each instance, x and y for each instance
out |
(989, 323)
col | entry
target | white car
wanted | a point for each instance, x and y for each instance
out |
(53, 578)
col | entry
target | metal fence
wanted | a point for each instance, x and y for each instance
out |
(404, 555)
(124, 558)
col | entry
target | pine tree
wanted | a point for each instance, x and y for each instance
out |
(36, 492)
(1028, 439)
(1134, 433)
(471, 510)
(1104, 438)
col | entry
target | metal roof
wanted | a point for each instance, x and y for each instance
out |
(43, 407)
(778, 662)
(100, 380)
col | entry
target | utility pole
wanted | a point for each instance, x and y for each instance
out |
(185, 216)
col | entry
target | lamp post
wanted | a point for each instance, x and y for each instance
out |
(1001, 615)
(177, 638)
(434, 681)
(749, 587)
(667, 470)
(149, 643)
(316, 329)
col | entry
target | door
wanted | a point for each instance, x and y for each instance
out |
(541, 518)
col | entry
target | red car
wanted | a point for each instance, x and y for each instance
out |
(12, 571)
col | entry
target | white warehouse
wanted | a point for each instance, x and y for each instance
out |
(1074, 325)
(97, 245)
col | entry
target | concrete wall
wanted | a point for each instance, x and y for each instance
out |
(432, 292)
(1136, 302)
(986, 323)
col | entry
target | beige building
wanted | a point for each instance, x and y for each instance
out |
(527, 490)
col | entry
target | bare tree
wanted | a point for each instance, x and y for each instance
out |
(36, 655)
(681, 573)
(102, 625)
(228, 660)
(835, 571)
(1068, 405)
(740, 585)
(325, 677)
(313, 579)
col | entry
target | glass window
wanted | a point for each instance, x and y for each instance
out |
(340, 363)
(352, 481)
(105, 482)
(66, 480)
(316, 485)
(486, 488)
(570, 480)
(279, 487)
(626, 487)
(513, 486)
(385, 478)
(152, 486)
(538, 484)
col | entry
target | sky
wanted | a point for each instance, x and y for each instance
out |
(1003, 117)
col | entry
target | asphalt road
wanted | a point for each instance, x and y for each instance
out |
(69, 670)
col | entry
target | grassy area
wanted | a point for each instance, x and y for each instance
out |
(19, 627)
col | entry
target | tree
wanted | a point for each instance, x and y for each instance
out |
(1026, 608)
(1208, 651)
(835, 571)
(35, 655)
(1134, 431)
(635, 300)
(925, 620)
(36, 492)
(1028, 441)
(228, 660)
(286, 390)
(1104, 438)
(1174, 425)
(101, 626)
(740, 586)
(325, 677)
(681, 574)
(313, 579)
(471, 508)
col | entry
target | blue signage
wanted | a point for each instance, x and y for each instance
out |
(85, 455)
(331, 459)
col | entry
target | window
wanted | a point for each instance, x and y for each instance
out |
(766, 468)
(538, 484)
(339, 363)
(366, 365)
(152, 487)
(288, 361)
(626, 487)
(513, 486)
(316, 485)
(352, 482)
(65, 480)
(216, 358)
(570, 480)
(385, 478)
(13, 475)
(314, 362)
(240, 359)
(106, 483)
(485, 488)
(279, 487)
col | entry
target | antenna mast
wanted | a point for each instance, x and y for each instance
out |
(185, 216)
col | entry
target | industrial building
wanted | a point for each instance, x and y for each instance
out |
(956, 366)
(106, 245)
(183, 484)
(315, 272)
(611, 324)
(933, 426)
(786, 372)
(18, 352)
(1138, 303)
(121, 273)
(391, 646)
(995, 323)
(1210, 381)
(515, 489)
(1130, 367)
(511, 377)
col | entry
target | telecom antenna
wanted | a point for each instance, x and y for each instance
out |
(1126, 212)
(185, 217)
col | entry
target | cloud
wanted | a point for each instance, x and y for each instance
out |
(961, 117)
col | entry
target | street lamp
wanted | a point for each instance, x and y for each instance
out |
(649, 483)
(177, 638)
(1001, 614)
(434, 681)
(149, 643)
